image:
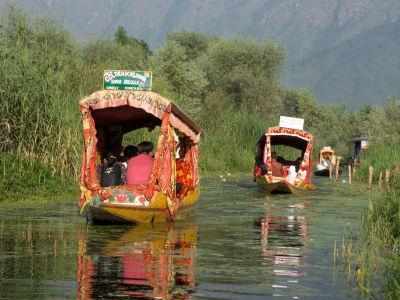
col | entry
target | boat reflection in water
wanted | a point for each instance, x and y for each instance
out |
(142, 263)
(283, 238)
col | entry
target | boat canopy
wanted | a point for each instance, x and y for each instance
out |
(136, 109)
(326, 150)
(294, 138)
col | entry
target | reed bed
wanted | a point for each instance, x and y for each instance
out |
(372, 258)
(381, 157)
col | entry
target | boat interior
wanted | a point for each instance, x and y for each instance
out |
(286, 151)
(118, 127)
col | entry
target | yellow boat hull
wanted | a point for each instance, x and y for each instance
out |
(156, 212)
(281, 186)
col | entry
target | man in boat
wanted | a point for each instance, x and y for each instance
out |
(276, 165)
(183, 173)
(129, 152)
(140, 166)
(111, 171)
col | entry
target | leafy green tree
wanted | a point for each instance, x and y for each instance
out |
(195, 44)
(247, 71)
(121, 38)
(186, 77)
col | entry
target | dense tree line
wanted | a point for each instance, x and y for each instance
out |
(231, 87)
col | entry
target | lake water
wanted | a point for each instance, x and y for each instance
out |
(239, 243)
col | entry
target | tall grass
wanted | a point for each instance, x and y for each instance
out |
(38, 121)
(373, 258)
(229, 145)
(381, 157)
(23, 177)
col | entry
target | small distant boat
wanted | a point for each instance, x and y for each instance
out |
(276, 174)
(327, 161)
(174, 183)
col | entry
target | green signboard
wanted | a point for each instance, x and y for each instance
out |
(127, 80)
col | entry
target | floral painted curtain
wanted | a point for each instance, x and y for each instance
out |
(164, 169)
(88, 180)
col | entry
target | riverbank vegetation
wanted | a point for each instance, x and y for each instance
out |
(372, 256)
(230, 87)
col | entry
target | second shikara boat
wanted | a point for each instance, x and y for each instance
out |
(275, 173)
(173, 186)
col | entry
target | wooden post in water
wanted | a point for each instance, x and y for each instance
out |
(337, 168)
(350, 173)
(387, 177)
(371, 173)
(380, 180)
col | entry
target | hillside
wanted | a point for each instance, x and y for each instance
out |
(314, 32)
(366, 67)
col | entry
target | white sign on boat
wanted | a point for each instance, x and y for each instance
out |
(289, 122)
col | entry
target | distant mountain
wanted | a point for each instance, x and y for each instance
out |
(365, 68)
(343, 50)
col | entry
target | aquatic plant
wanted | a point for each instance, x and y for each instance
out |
(372, 258)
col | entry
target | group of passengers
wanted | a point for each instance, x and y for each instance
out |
(278, 165)
(132, 168)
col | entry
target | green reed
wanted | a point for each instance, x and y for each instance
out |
(381, 157)
(22, 178)
(372, 258)
(229, 145)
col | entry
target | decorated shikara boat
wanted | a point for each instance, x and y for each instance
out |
(277, 174)
(173, 186)
(327, 161)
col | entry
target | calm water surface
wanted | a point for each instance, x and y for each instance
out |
(239, 244)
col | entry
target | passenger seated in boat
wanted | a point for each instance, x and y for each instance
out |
(326, 162)
(129, 152)
(292, 174)
(298, 163)
(182, 168)
(111, 171)
(275, 165)
(259, 158)
(140, 166)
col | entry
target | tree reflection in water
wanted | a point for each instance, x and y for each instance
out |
(144, 262)
(284, 235)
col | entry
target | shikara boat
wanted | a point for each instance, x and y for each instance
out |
(327, 161)
(174, 182)
(276, 174)
(145, 262)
